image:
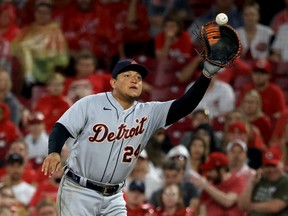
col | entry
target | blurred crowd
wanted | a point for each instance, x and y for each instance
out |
(228, 157)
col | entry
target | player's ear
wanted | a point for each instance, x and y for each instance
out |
(112, 82)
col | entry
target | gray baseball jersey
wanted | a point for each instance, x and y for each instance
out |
(109, 139)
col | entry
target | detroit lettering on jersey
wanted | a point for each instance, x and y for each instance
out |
(101, 131)
(107, 133)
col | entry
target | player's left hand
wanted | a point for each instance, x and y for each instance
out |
(51, 164)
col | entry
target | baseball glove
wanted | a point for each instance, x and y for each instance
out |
(221, 44)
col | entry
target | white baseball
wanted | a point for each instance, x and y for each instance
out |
(221, 19)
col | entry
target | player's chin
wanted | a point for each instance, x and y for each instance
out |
(134, 96)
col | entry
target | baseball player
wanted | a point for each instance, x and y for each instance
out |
(110, 131)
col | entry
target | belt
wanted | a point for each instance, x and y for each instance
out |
(104, 190)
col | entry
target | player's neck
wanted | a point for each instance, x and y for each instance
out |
(125, 102)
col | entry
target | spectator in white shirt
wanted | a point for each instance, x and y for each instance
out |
(218, 100)
(36, 139)
(15, 168)
(255, 37)
(237, 159)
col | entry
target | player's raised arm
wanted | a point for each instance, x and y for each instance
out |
(57, 138)
(189, 101)
(221, 46)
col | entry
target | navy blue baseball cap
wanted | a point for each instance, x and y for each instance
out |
(137, 185)
(129, 65)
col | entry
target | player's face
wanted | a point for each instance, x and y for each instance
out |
(127, 86)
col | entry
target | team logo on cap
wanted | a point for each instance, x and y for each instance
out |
(133, 62)
(269, 155)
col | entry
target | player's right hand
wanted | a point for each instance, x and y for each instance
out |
(51, 164)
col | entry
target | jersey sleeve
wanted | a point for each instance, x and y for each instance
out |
(159, 114)
(75, 117)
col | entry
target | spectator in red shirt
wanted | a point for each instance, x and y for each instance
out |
(247, 133)
(88, 25)
(8, 27)
(251, 105)
(171, 202)
(135, 200)
(54, 104)
(47, 189)
(85, 69)
(173, 42)
(220, 188)
(20, 147)
(131, 21)
(269, 91)
(9, 132)
(279, 126)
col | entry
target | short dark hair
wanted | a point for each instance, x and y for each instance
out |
(172, 165)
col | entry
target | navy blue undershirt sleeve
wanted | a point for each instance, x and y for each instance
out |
(57, 138)
(189, 101)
